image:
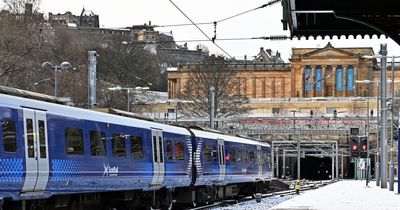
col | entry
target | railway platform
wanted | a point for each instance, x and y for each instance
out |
(344, 195)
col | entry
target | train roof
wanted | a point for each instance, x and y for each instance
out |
(206, 134)
(79, 113)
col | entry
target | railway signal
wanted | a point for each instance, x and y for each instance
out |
(354, 146)
(363, 147)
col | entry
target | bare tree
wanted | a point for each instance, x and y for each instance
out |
(18, 6)
(203, 48)
(212, 72)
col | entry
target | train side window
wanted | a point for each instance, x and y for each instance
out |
(118, 145)
(97, 143)
(179, 151)
(232, 154)
(239, 155)
(245, 155)
(74, 141)
(207, 153)
(42, 139)
(252, 157)
(9, 136)
(169, 150)
(136, 147)
(214, 153)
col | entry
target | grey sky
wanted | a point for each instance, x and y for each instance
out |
(263, 22)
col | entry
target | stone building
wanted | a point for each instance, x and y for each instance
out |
(335, 86)
(86, 19)
(312, 72)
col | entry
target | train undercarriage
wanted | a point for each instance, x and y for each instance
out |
(176, 198)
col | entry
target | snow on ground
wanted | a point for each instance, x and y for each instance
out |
(345, 195)
(342, 195)
(265, 203)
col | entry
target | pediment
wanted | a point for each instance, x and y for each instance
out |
(329, 52)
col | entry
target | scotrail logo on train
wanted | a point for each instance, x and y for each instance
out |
(110, 171)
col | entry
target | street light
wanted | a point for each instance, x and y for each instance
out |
(63, 66)
(128, 92)
(41, 81)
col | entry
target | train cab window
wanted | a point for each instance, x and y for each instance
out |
(9, 137)
(136, 147)
(214, 153)
(239, 155)
(232, 154)
(118, 145)
(207, 153)
(74, 141)
(97, 143)
(169, 150)
(179, 151)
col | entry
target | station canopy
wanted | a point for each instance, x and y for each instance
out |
(313, 18)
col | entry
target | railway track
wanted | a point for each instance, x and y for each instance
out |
(228, 202)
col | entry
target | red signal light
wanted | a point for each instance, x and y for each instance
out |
(364, 147)
(354, 147)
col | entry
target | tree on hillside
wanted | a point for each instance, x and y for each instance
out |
(19, 48)
(127, 65)
(212, 72)
(18, 6)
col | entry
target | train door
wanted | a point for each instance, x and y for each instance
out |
(222, 163)
(259, 160)
(158, 157)
(36, 150)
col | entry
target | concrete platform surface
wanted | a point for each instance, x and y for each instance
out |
(344, 195)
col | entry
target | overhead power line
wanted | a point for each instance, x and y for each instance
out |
(224, 19)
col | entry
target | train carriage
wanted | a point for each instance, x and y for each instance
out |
(52, 155)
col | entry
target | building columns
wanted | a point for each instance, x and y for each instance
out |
(334, 81)
(345, 81)
(303, 82)
(323, 81)
(312, 81)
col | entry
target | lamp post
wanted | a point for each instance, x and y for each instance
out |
(63, 66)
(128, 92)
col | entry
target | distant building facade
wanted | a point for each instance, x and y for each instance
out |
(312, 72)
(86, 19)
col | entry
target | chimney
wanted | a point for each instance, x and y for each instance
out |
(269, 51)
(261, 49)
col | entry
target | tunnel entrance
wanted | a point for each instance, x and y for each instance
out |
(315, 168)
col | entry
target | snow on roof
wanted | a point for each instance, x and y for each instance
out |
(72, 25)
(78, 113)
(88, 13)
(206, 134)
(172, 69)
(167, 34)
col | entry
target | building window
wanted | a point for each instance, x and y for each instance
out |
(118, 145)
(97, 143)
(9, 136)
(275, 111)
(74, 141)
(330, 110)
(136, 147)
(179, 151)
